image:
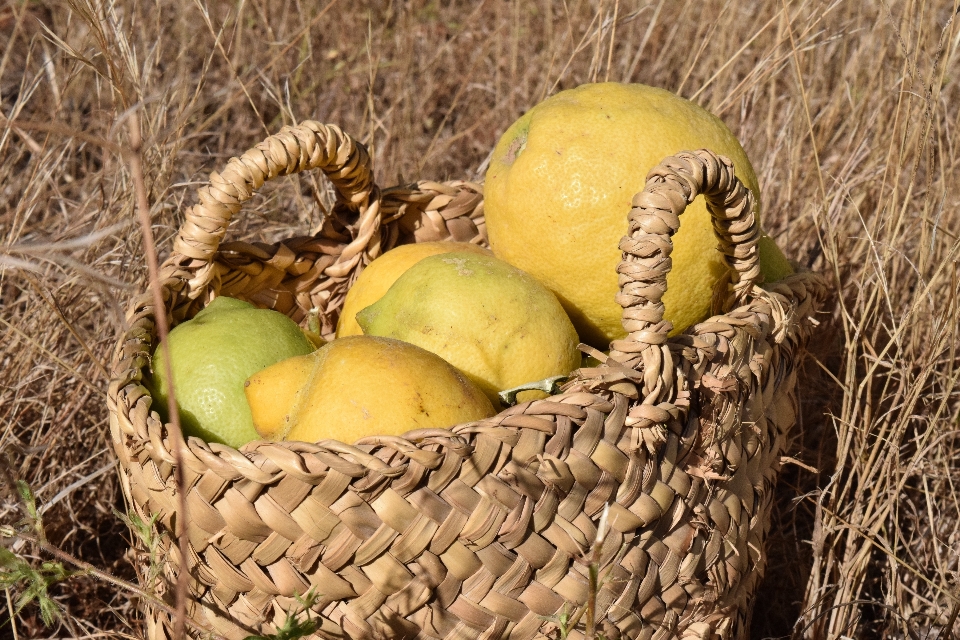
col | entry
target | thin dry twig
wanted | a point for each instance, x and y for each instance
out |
(163, 330)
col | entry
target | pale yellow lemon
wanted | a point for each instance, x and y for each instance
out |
(376, 279)
(559, 188)
(361, 386)
(492, 321)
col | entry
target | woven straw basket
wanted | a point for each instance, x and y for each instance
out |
(479, 531)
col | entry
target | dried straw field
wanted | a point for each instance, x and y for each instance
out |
(849, 109)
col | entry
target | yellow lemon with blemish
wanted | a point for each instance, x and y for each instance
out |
(559, 188)
(361, 386)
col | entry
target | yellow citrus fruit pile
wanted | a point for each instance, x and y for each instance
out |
(433, 335)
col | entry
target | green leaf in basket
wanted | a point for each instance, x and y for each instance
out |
(549, 385)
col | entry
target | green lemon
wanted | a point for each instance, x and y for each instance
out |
(212, 355)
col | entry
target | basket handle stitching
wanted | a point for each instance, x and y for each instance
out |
(671, 186)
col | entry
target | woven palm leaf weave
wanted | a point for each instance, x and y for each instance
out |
(480, 531)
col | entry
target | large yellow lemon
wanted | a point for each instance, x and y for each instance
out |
(559, 188)
(379, 276)
(361, 386)
(489, 319)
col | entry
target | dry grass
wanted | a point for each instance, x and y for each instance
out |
(849, 109)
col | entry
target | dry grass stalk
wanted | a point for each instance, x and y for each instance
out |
(848, 108)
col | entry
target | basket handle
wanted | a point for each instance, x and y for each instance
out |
(671, 186)
(308, 145)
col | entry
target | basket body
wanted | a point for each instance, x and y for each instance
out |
(479, 531)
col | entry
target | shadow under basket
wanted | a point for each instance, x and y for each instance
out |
(482, 530)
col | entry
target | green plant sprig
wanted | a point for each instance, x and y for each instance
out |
(19, 574)
(32, 584)
(293, 628)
